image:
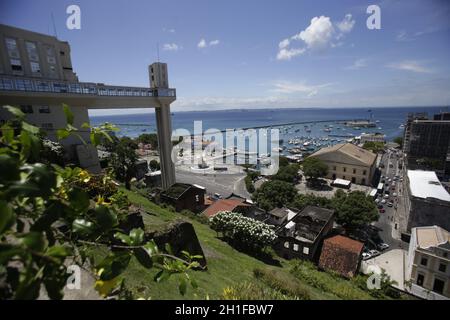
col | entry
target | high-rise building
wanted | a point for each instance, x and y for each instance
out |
(426, 142)
(36, 75)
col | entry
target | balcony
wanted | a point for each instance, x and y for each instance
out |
(22, 84)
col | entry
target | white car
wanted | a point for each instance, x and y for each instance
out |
(374, 252)
(386, 196)
(366, 255)
(377, 200)
(383, 246)
(383, 201)
(394, 194)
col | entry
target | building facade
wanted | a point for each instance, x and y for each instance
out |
(348, 162)
(373, 137)
(36, 75)
(427, 141)
(428, 263)
(428, 203)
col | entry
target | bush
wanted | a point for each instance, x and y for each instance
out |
(252, 291)
(286, 286)
(247, 232)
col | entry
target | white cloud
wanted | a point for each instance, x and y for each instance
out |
(203, 43)
(169, 30)
(288, 54)
(171, 47)
(288, 87)
(358, 64)
(410, 65)
(347, 24)
(319, 35)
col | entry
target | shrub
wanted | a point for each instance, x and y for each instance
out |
(252, 291)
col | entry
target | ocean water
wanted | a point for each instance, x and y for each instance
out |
(388, 120)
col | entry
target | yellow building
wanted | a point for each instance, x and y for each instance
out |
(349, 162)
(428, 263)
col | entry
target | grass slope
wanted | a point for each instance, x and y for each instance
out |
(226, 266)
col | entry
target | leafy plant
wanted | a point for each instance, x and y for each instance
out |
(47, 218)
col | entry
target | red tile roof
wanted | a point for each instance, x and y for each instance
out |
(341, 254)
(223, 205)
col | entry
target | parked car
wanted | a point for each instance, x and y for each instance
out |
(366, 255)
(390, 204)
(377, 200)
(381, 210)
(394, 194)
(382, 246)
(383, 201)
(374, 252)
(386, 196)
(380, 206)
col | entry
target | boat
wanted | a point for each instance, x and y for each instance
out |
(401, 126)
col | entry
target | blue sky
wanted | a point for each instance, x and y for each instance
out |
(259, 54)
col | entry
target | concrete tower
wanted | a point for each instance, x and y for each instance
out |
(159, 80)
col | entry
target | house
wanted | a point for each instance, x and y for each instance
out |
(301, 237)
(428, 263)
(428, 201)
(184, 196)
(278, 216)
(348, 162)
(342, 255)
(373, 137)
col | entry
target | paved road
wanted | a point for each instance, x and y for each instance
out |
(389, 219)
(224, 184)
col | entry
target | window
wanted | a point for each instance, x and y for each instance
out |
(345, 169)
(26, 109)
(24, 85)
(42, 86)
(286, 244)
(44, 109)
(305, 250)
(438, 285)
(354, 171)
(444, 254)
(16, 66)
(364, 172)
(11, 46)
(442, 267)
(420, 279)
(295, 247)
(424, 261)
(6, 84)
(363, 181)
(334, 168)
(32, 51)
(353, 180)
(35, 67)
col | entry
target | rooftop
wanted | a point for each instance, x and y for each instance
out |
(425, 184)
(309, 223)
(177, 189)
(341, 254)
(349, 149)
(223, 205)
(432, 236)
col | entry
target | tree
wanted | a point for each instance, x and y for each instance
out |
(149, 138)
(303, 200)
(354, 209)
(245, 232)
(314, 168)
(399, 141)
(283, 161)
(123, 160)
(274, 193)
(154, 165)
(287, 173)
(46, 218)
(375, 147)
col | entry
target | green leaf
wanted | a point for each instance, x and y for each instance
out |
(123, 237)
(79, 200)
(9, 168)
(62, 134)
(137, 236)
(161, 276)
(68, 113)
(182, 286)
(105, 217)
(193, 283)
(151, 248)
(30, 128)
(113, 265)
(83, 227)
(7, 217)
(15, 111)
(35, 241)
(59, 251)
(143, 257)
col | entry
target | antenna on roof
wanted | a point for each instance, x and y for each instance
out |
(54, 26)
(157, 50)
